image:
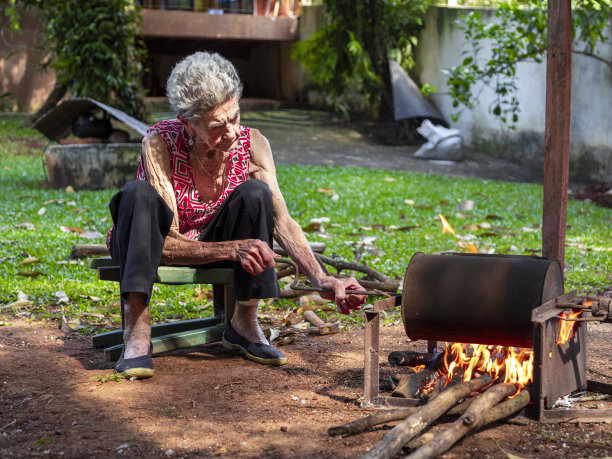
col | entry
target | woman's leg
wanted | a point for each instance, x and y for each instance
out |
(141, 223)
(247, 214)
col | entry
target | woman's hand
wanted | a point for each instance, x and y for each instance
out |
(254, 255)
(345, 302)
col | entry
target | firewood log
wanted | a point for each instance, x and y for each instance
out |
(470, 420)
(409, 358)
(363, 424)
(412, 426)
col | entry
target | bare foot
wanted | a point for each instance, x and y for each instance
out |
(245, 322)
(137, 332)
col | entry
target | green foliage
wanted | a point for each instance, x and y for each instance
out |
(351, 54)
(395, 213)
(94, 47)
(518, 35)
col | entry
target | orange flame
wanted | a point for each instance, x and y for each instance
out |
(514, 365)
(446, 228)
(566, 331)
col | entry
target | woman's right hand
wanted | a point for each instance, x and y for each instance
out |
(255, 255)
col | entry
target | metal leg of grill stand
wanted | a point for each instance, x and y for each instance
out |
(371, 373)
(371, 357)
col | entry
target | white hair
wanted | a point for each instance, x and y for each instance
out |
(201, 82)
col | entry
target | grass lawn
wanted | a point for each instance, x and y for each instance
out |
(394, 213)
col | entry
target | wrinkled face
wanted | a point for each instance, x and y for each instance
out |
(219, 129)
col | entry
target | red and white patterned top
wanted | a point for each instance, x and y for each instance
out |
(194, 214)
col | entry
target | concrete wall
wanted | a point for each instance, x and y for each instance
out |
(440, 47)
(20, 74)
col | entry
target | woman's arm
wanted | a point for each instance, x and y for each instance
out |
(289, 234)
(253, 254)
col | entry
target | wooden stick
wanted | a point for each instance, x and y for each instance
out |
(506, 408)
(85, 250)
(470, 420)
(409, 385)
(409, 358)
(405, 431)
(399, 414)
(341, 264)
(363, 424)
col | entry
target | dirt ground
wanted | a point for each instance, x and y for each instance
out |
(209, 402)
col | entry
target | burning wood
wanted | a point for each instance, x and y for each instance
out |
(472, 419)
(461, 370)
(417, 422)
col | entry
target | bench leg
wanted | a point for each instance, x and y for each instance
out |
(224, 301)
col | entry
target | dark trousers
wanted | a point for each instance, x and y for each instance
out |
(142, 220)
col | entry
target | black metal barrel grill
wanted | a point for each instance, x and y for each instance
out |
(477, 298)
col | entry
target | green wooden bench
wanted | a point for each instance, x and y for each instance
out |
(175, 335)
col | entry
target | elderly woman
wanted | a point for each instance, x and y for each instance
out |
(207, 192)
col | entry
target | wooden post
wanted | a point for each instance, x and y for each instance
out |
(557, 130)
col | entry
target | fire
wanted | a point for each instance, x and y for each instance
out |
(446, 228)
(513, 365)
(566, 331)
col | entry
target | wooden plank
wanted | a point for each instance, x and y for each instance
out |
(557, 129)
(100, 262)
(175, 341)
(177, 275)
(185, 275)
(115, 337)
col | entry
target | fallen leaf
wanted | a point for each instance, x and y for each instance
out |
(406, 228)
(19, 304)
(489, 234)
(30, 273)
(528, 230)
(493, 217)
(467, 246)
(92, 298)
(389, 179)
(97, 315)
(42, 211)
(409, 202)
(61, 297)
(328, 191)
(466, 205)
(422, 206)
(313, 227)
(92, 235)
(469, 227)
(29, 260)
(26, 225)
(291, 319)
(71, 229)
(69, 189)
(72, 325)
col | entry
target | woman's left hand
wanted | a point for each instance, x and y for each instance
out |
(345, 302)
